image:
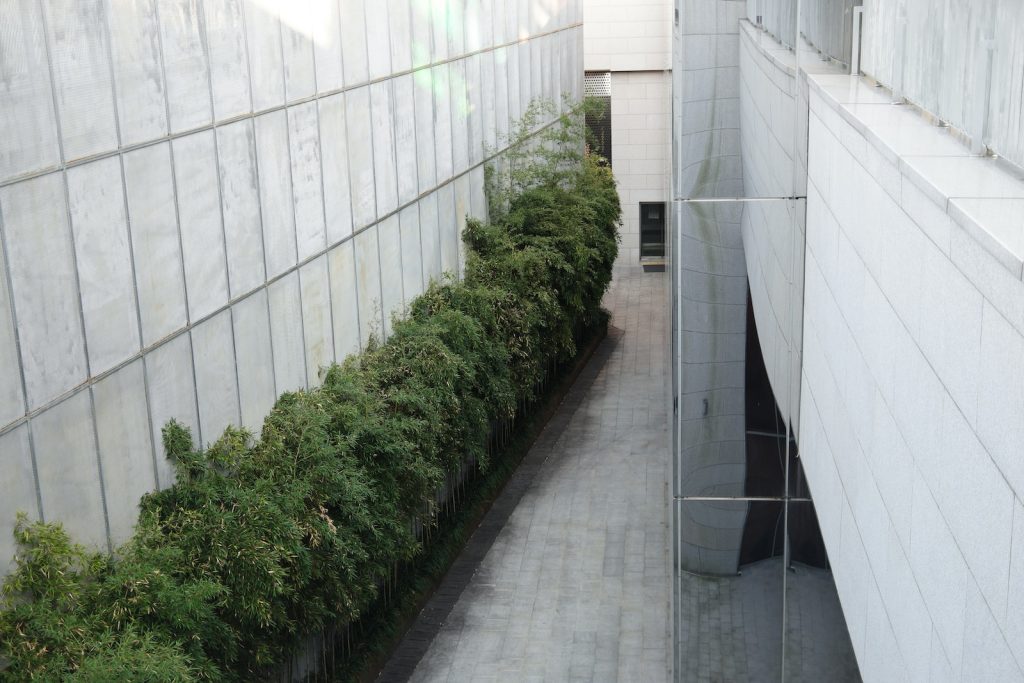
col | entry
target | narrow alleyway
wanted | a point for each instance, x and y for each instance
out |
(574, 587)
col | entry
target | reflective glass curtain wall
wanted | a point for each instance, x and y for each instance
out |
(753, 596)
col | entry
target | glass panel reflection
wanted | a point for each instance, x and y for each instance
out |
(737, 274)
(729, 626)
(817, 643)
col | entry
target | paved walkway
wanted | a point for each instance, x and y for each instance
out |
(575, 585)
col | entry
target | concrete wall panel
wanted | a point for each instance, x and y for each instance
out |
(426, 162)
(216, 384)
(515, 104)
(229, 62)
(382, 122)
(316, 319)
(334, 153)
(525, 75)
(19, 488)
(255, 358)
(420, 27)
(439, 13)
(240, 204)
(353, 41)
(371, 314)
(501, 95)
(12, 396)
(344, 300)
(125, 444)
(400, 35)
(276, 192)
(430, 238)
(41, 261)
(307, 179)
(406, 148)
(297, 26)
(266, 61)
(26, 105)
(360, 156)
(412, 253)
(390, 243)
(138, 71)
(461, 105)
(170, 376)
(327, 47)
(80, 61)
(378, 39)
(286, 333)
(441, 86)
(202, 232)
(68, 469)
(448, 229)
(185, 65)
(475, 114)
(100, 227)
(156, 248)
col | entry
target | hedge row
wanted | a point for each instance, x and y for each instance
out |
(264, 540)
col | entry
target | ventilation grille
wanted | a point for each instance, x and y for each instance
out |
(597, 84)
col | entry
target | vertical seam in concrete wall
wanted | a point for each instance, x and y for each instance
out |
(53, 87)
(78, 288)
(177, 227)
(352, 237)
(376, 207)
(455, 174)
(323, 198)
(220, 205)
(251, 120)
(138, 320)
(99, 468)
(60, 147)
(291, 193)
(416, 145)
(110, 68)
(21, 365)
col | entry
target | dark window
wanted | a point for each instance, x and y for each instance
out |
(652, 229)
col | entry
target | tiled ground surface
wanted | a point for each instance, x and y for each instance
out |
(575, 587)
(731, 628)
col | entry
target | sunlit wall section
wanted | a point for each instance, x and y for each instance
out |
(204, 204)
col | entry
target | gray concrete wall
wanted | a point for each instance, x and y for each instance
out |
(202, 204)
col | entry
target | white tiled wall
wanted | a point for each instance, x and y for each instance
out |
(641, 148)
(202, 206)
(911, 410)
(627, 36)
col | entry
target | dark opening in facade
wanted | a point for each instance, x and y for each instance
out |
(652, 229)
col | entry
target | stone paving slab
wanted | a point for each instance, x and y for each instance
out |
(575, 585)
